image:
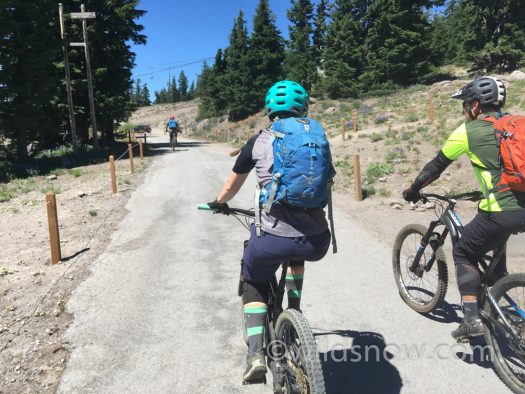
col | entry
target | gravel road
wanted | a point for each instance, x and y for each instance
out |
(160, 314)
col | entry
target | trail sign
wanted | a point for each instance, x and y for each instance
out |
(82, 15)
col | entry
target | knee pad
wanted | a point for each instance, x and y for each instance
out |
(468, 279)
(255, 292)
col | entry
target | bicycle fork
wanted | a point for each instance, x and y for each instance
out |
(417, 268)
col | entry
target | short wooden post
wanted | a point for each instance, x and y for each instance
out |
(355, 121)
(342, 130)
(145, 139)
(131, 165)
(357, 177)
(54, 236)
(141, 151)
(431, 114)
(113, 174)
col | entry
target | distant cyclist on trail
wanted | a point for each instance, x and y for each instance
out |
(283, 232)
(172, 125)
(500, 213)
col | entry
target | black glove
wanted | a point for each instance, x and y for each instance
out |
(411, 195)
(218, 207)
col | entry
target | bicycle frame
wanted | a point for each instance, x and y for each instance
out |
(453, 226)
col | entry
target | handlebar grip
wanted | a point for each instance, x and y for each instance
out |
(204, 206)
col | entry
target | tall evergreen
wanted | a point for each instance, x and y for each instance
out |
(29, 81)
(112, 62)
(495, 36)
(173, 94)
(266, 54)
(238, 76)
(213, 88)
(183, 86)
(320, 30)
(300, 64)
(397, 43)
(144, 97)
(344, 51)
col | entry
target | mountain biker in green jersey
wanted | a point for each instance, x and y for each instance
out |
(500, 213)
(287, 232)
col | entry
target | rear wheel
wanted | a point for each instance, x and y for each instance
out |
(508, 354)
(424, 289)
(299, 358)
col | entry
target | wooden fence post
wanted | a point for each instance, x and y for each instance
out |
(131, 165)
(355, 121)
(145, 142)
(54, 236)
(357, 178)
(113, 174)
(141, 151)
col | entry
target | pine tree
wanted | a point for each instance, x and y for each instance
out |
(213, 88)
(300, 64)
(320, 30)
(396, 44)
(266, 54)
(173, 93)
(238, 88)
(183, 86)
(495, 36)
(145, 100)
(343, 53)
(112, 62)
(29, 81)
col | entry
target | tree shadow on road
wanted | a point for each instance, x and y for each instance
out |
(363, 367)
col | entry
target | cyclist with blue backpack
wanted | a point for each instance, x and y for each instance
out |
(172, 125)
(294, 172)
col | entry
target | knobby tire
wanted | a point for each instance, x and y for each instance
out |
(500, 347)
(292, 325)
(400, 265)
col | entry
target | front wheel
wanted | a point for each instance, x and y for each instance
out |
(508, 349)
(299, 358)
(424, 289)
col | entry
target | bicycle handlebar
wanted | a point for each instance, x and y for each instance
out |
(469, 196)
(230, 211)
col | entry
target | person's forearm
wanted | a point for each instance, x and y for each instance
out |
(231, 187)
(431, 172)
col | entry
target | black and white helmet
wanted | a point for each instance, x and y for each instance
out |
(487, 90)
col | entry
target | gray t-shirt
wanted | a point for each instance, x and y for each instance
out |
(282, 220)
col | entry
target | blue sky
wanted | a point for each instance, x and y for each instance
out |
(186, 31)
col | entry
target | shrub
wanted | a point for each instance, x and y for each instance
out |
(412, 117)
(75, 172)
(377, 170)
(374, 137)
(381, 118)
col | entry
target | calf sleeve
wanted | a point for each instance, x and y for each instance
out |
(468, 279)
(255, 316)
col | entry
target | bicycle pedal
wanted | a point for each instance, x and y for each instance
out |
(465, 340)
(255, 381)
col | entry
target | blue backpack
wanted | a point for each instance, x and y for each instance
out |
(302, 165)
(172, 124)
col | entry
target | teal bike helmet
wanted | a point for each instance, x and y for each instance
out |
(286, 97)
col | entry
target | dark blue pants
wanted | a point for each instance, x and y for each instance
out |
(264, 254)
